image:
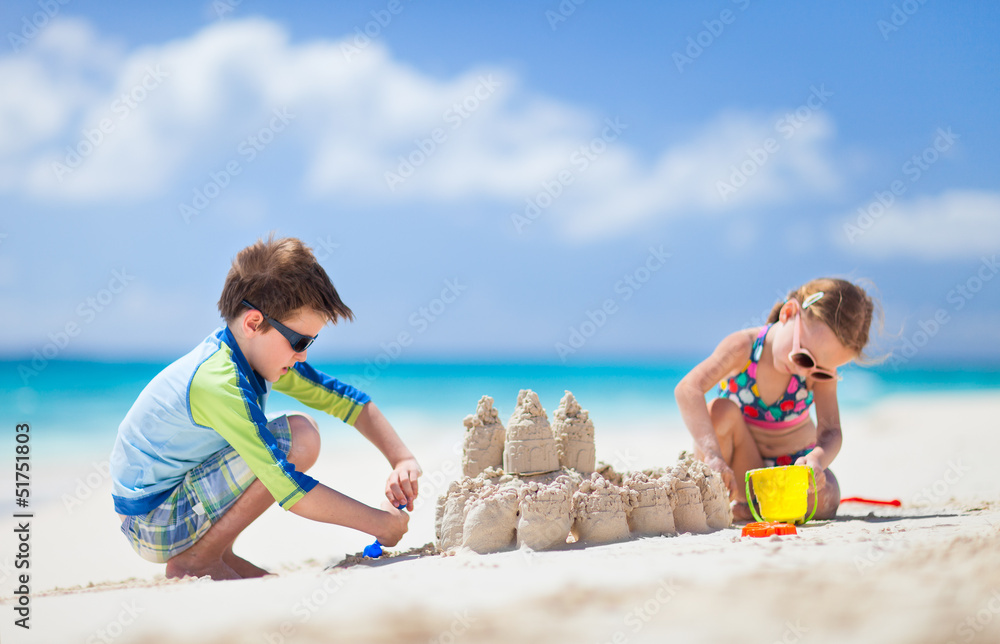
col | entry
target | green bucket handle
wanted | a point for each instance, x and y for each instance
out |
(812, 474)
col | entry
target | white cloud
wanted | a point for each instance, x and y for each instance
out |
(733, 162)
(954, 224)
(43, 89)
(180, 108)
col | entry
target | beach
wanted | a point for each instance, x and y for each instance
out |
(462, 212)
(924, 572)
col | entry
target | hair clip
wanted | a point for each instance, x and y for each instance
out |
(812, 299)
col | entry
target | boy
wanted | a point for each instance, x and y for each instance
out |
(195, 460)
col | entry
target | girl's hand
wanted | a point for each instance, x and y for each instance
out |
(818, 469)
(719, 464)
(401, 488)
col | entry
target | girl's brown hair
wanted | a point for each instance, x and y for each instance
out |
(845, 307)
(280, 276)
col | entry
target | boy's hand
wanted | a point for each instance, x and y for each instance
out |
(396, 524)
(719, 464)
(401, 487)
(818, 470)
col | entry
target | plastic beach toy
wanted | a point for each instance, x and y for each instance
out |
(782, 492)
(767, 529)
(375, 550)
(857, 499)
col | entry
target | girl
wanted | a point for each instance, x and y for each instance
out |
(768, 377)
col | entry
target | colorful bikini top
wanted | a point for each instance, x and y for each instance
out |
(742, 390)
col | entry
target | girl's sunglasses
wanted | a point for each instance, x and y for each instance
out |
(298, 341)
(801, 356)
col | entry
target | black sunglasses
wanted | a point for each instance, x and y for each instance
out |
(298, 341)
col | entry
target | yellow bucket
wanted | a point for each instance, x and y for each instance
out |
(782, 492)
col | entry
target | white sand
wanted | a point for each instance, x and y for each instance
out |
(928, 572)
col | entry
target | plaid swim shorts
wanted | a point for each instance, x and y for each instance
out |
(206, 493)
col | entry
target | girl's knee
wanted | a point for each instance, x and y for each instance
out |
(305, 441)
(829, 497)
(723, 412)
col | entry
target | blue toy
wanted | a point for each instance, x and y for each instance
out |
(375, 550)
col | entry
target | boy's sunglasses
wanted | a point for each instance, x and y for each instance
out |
(804, 359)
(298, 341)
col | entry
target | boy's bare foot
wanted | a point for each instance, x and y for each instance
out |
(243, 568)
(218, 570)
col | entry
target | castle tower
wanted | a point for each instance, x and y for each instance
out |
(530, 447)
(484, 438)
(574, 432)
(600, 509)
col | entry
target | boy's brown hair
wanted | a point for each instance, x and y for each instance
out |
(280, 276)
(844, 307)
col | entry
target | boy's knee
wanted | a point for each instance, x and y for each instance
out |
(305, 441)
(303, 422)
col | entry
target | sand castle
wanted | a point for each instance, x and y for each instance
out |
(551, 491)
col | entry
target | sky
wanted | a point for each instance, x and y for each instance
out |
(559, 182)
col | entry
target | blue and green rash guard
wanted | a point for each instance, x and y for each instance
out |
(206, 400)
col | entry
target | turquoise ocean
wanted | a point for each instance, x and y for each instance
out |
(74, 407)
